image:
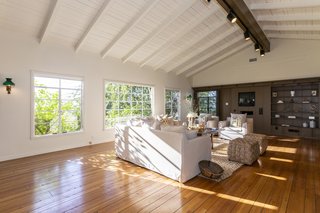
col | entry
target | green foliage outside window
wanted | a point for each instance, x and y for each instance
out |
(172, 103)
(124, 101)
(57, 106)
(207, 102)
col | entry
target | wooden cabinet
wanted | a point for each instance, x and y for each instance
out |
(295, 109)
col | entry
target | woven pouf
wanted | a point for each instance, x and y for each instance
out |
(243, 151)
(260, 138)
(210, 169)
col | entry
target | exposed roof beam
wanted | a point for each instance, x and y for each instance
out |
(165, 23)
(207, 57)
(292, 27)
(219, 59)
(194, 50)
(302, 17)
(190, 46)
(293, 36)
(285, 5)
(246, 21)
(189, 27)
(49, 20)
(96, 19)
(144, 11)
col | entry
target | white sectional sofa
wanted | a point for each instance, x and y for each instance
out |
(171, 154)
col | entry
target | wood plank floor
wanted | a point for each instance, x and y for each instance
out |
(92, 179)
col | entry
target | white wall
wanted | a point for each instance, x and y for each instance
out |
(288, 59)
(19, 55)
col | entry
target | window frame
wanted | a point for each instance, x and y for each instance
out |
(197, 99)
(179, 101)
(105, 81)
(56, 76)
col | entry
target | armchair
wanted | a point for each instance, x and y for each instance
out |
(226, 131)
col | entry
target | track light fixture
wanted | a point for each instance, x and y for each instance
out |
(231, 17)
(262, 53)
(256, 47)
(246, 35)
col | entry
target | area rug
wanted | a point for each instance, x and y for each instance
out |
(220, 156)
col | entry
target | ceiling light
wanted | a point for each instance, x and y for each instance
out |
(246, 35)
(231, 17)
(256, 47)
(262, 53)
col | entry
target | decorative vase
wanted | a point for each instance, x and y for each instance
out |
(312, 124)
(305, 124)
(292, 93)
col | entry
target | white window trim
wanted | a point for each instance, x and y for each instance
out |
(32, 89)
(180, 100)
(128, 83)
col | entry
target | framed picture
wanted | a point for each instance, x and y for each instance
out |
(314, 92)
(274, 94)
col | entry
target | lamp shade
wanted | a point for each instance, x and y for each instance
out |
(8, 82)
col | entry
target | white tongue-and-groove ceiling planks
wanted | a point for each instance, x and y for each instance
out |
(180, 36)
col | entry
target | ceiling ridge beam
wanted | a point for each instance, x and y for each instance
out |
(285, 5)
(246, 21)
(193, 50)
(291, 27)
(202, 58)
(189, 27)
(191, 46)
(141, 14)
(165, 23)
(219, 59)
(52, 14)
(279, 18)
(95, 20)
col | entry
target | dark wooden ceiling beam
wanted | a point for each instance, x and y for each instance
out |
(246, 21)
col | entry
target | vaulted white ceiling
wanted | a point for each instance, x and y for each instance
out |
(181, 36)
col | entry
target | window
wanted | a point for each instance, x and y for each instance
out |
(57, 105)
(172, 103)
(124, 101)
(207, 102)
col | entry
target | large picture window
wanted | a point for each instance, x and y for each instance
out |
(207, 102)
(124, 101)
(57, 104)
(172, 103)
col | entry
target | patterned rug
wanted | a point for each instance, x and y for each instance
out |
(220, 156)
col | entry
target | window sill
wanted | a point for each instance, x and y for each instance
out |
(56, 135)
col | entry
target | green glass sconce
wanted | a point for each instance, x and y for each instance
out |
(9, 84)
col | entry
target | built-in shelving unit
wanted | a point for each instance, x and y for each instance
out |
(295, 109)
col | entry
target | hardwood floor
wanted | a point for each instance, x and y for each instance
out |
(91, 179)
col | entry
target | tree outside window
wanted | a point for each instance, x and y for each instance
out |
(125, 101)
(207, 102)
(57, 106)
(172, 103)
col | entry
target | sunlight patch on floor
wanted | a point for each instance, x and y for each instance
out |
(294, 140)
(281, 159)
(247, 201)
(272, 176)
(282, 149)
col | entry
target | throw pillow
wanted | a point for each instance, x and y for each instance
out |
(237, 119)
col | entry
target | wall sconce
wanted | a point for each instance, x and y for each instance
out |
(189, 97)
(8, 83)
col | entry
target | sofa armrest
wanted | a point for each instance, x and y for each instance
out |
(194, 151)
(222, 124)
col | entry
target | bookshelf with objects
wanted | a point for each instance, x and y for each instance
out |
(295, 109)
